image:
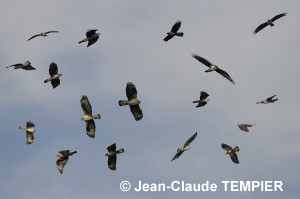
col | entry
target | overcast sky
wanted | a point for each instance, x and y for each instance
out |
(168, 79)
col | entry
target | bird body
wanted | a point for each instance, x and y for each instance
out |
(90, 117)
(268, 23)
(43, 34)
(62, 159)
(268, 100)
(112, 156)
(54, 76)
(30, 130)
(185, 147)
(211, 68)
(25, 66)
(203, 99)
(91, 37)
(231, 152)
(174, 31)
(244, 127)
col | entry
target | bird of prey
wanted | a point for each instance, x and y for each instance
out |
(174, 31)
(88, 116)
(30, 130)
(132, 101)
(54, 76)
(269, 22)
(43, 34)
(91, 37)
(112, 156)
(62, 159)
(25, 66)
(185, 147)
(268, 100)
(203, 99)
(244, 127)
(212, 67)
(231, 152)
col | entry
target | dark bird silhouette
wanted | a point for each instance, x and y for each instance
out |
(25, 66)
(132, 101)
(244, 127)
(30, 130)
(185, 147)
(43, 34)
(231, 152)
(174, 31)
(268, 100)
(213, 67)
(54, 76)
(269, 23)
(203, 99)
(91, 37)
(112, 156)
(62, 159)
(88, 116)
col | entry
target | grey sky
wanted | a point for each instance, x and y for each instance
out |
(168, 79)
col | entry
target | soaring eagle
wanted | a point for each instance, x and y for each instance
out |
(132, 101)
(185, 147)
(54, 76)
(203, 99)
(212, 67)
(269, 22)
(231, 152)
(174, 31)
(112, 156)
(244, 127)
(88, 116)
(30, 130)
(25, 66)
(43, 34)
(268, 100)
(62, 159)
(91, 37)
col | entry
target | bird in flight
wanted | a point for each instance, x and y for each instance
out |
(185, 147)
(231, 152)
(54, 76)
(244, 127)
(268, 100)
(30, 130)
(132, 101)
(25, 66)
(203, 99)
(269, 22)
(174, 31)
(112, 156)
(88, 116)
(62, 159)
(43, 34)
(91, 37)
(212, 67)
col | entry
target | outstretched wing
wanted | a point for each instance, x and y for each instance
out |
(92, 41)
(34, 36)
(224, 74)
(190, 140)
(91, 128)
(28, 67)
(112, 162)
(53, 69)
(29, 124)
(55, 82)
(203, 95)
(202, 60)
(234, 157)
(50, 32)
(260, 27)
(226, 147)
(85, 105)
(243, 127)
(112, 147)
(131, 91)
(168, 37)
(90, 33)
(61, 162)
(176, 26)
(270, 98)
(278, 16)
(29, 137)
(136, 111)
(178, 154)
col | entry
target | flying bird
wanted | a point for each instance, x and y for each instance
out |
(25, 66)
(88, 116)
(244, 127)
(268, 100)
(43, 34)
(269, 22)
(213, 67)
(54, 76)
(112, 156)
(203, 99)
(231, 152)
(174, 31)
(185, 147)
(30, 130)
(132, 101)
(62, 159)
(91, 37)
